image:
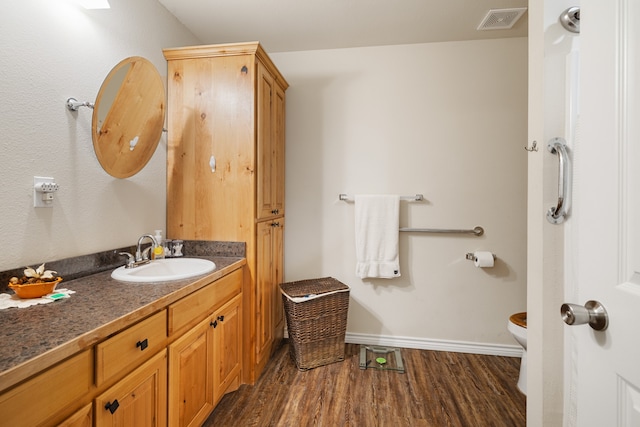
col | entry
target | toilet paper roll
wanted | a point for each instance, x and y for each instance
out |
(483, 259)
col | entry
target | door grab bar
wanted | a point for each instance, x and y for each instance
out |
(557, 214)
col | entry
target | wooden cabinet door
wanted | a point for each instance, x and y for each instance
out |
(227, 346)
(139, 399)
(271, 130)
(277, 165)
(191, 376)
(210, 153)
(266, 146)
(263, 294)
(277, 269)
(270, 318)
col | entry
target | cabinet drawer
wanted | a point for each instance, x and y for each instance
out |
(129, 348)
(38, 400)
(191, 309)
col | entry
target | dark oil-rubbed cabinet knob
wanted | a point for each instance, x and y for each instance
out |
(112, 406)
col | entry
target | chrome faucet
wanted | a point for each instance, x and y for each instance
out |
(139, 255)
(142, 257)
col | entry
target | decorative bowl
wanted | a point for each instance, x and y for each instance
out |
(35, 290)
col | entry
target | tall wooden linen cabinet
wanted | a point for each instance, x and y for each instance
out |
(225, 172)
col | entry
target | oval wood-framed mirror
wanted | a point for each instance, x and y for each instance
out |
(128, 117)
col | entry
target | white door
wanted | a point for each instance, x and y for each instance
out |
(606, 212)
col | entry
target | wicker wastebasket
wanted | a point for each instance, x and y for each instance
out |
(316, 312)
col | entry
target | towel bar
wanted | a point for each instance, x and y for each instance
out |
(477, 231)
(414, 198)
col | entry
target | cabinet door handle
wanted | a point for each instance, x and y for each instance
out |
(214, 324)
(275, 224)
(112, 406)
(275, 211)
(221, 318)
(142, 344)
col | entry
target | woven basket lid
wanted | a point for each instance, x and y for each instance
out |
(320, 286)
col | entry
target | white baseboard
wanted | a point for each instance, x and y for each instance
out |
(431, 344)
(438, 345)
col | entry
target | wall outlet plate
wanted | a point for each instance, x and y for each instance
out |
(43, 189)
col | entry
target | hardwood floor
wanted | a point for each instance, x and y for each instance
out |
(438, 389)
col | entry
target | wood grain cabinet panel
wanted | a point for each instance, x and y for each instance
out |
(127, 349)
(225, 163)
(264, 302)
(191, 379)
(39, 400)
(193, 308)
(270, 264)
(139, 399)
(227, 348)
(270, 149)
(277, 277)
(81, 418)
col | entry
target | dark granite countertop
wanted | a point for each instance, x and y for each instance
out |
(37, 337)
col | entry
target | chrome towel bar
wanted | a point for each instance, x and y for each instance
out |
(477, 231)
(414, 198)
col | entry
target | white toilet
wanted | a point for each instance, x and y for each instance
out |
(518, 327)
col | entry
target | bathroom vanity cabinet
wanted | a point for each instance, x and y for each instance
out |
(205, 362)
(170, 367)
(225, 171)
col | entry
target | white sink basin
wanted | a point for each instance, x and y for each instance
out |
(163, 270)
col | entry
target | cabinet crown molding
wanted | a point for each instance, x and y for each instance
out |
(229, 49)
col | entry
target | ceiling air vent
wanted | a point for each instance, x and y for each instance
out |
(501, 19)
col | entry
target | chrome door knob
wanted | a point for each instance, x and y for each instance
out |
(593, 313)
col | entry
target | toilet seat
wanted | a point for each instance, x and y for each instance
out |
(519, 319)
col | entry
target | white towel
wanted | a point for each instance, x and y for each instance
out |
(377, 222)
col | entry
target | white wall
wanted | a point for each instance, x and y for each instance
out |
(448, 120)
(52, 50)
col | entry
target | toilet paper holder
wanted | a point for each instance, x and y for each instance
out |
(472, 257)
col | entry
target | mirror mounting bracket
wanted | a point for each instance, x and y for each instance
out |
(74, 105)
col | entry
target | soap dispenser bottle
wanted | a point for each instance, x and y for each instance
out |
(158, 251)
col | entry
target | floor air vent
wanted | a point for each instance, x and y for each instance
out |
(501, 19)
